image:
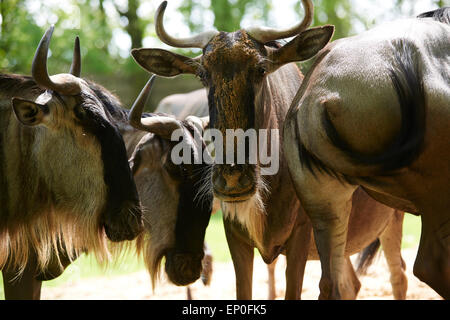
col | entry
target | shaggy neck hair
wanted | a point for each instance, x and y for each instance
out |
(32, 216)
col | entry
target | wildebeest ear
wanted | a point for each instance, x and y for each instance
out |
(164, 63)
(304, 46)
(146, 154)
(28, 112)
(135, 162)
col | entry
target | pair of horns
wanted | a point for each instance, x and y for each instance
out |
(160, 125)
(262, 34)
(63, 85)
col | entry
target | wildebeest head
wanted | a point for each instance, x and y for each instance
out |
(176, 201)
(79, 155)
(233, 67)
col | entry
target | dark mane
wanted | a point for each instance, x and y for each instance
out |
(113, 104)
(110, 101)
(441, 15)
(15, 83)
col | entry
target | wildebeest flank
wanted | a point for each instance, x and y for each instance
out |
(380, 120)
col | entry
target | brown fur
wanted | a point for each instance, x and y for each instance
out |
(158, 191)
(249, 88)
(283, 224)
(278, 227)
(377, 92)
(48, 206)
(73, 222)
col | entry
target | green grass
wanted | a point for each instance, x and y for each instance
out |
(216, 240)
(86, 266)
(411, 231)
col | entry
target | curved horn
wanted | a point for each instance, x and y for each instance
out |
(160, 125)
(40, 73)
(198, 41)
(264, 34)
(75, 68)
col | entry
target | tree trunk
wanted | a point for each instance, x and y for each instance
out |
(134, 28)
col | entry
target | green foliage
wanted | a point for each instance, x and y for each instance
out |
(108, 29)
(16, 25)
(21, 33)
(411, 231)
(227, 14)
(186, 8)
(338, 13)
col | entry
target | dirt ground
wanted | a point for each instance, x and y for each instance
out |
(375, 285)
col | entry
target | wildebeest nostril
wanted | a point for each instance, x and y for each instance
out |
(220, 182)
(233, 179)
(245, 180)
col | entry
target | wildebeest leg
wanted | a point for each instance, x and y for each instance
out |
(207, 265)
(432, 263)
(188, 293)
(391, 241)
(296, 256)
(327, 202)
(272, 294)
(328, 205)
(28, 285)
(351, 276)
(242, 255)
(24, 287)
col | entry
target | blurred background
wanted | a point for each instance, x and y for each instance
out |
(109, 29)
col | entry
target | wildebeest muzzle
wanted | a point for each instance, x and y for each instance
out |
(236, 182)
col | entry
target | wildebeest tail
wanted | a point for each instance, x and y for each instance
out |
(367, 256)
(406, 146)
(441, 15)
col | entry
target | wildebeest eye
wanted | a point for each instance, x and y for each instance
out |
(79, 112)
(177, 172)
(172, 169)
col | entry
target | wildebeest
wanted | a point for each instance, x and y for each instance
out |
(152, 180)
(250, 85)
(144, 161)
(183, 105)
(195, 103)
(64, 174)
(374, 111)
(365, 225)
(63, 167)
(176, 217)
